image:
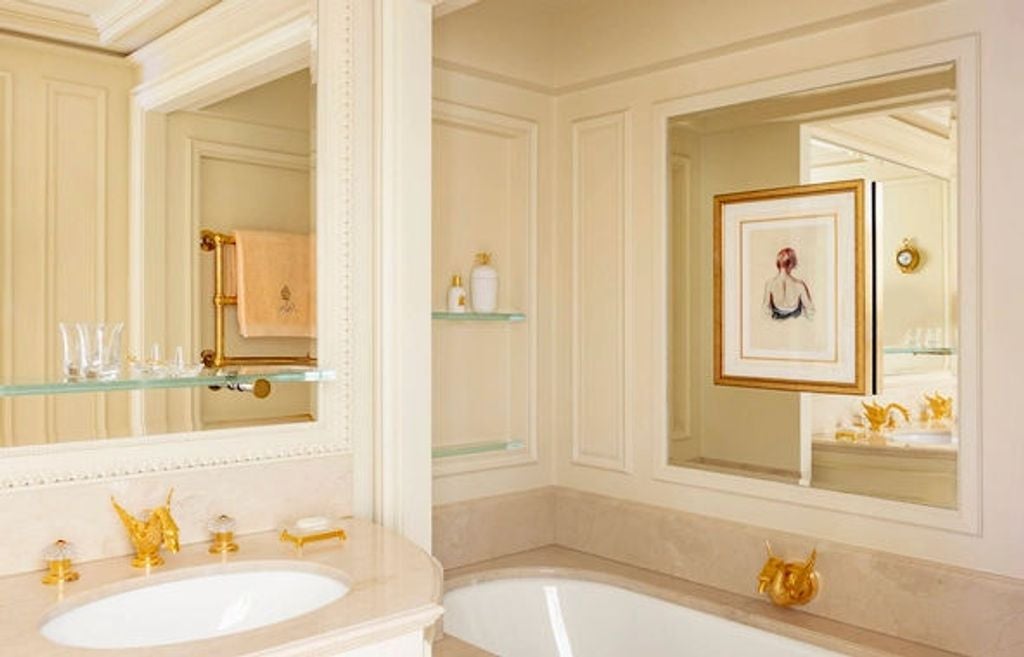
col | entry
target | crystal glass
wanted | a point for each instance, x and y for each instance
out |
(73, 357)
(100, 347)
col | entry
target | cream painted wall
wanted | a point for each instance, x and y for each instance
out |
(486, 187)
(756, 429)
(795, 47)
(63, 227)
(562, 44)
(241, 163)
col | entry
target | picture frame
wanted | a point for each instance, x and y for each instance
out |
(790, 288)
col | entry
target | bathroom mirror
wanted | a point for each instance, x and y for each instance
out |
(897, 133)
(242, 163)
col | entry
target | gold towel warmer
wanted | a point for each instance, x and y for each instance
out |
(210, 240)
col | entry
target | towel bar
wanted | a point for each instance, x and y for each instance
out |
(210, 240)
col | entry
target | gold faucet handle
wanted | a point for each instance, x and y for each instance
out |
(223, 529)
(58, 557)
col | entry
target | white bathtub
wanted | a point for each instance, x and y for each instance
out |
(554, 617)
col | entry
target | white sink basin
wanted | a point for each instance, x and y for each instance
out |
(206, 604)
(923, 437)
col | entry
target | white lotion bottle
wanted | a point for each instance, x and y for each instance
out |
(484, 285)
(456, 296)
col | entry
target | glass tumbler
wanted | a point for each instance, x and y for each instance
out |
(100, 346)
(73, 357)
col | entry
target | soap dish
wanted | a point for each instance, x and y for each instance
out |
(312, 530)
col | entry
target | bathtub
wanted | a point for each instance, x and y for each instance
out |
(555, 617)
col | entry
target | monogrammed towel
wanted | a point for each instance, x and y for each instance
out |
(275, 277)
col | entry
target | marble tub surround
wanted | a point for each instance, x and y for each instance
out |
(488, 527)
(394, 590)
(554, 561)
(82, 514)
(962, 611)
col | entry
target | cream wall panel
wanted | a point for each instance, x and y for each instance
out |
(6, 246)
(476, 186)
(484, 374)
(493, 190)
(765, 434)
(600, 220)
(76, 235)
(65, 226)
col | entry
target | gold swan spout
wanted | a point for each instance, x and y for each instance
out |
(788, 583)
(880, 417)
(157, 530)
(940, 408)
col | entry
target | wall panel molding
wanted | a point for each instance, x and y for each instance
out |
(601, 244)
(6, 249)
(523, 174)
(76, 209)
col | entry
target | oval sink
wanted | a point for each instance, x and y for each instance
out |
(201, 606)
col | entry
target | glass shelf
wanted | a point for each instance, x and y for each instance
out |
(468, 449)
(479, 317)
(205, 378)
(920, 351)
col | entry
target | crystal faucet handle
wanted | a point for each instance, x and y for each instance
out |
(59, 551)
(223, 529)
(58, 556)
(221, 524)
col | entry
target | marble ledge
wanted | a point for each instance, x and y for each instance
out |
(555, 561)
(449, 646)
(395, 588)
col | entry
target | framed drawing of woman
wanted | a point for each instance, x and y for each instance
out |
(790, 287)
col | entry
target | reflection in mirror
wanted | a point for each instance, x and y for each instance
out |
(241, 164)
(898, 132)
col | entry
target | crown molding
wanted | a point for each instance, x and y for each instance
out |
(124, 27)
(131, 24)
(48, 22)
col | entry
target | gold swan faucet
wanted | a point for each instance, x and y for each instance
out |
(880, 417)
(788, 583)
(940, 409)
(157, 530)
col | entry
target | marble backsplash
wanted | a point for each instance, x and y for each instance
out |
(951, 608)
(489, 527)
(260, 497)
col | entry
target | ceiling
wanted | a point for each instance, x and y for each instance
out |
(117, 25)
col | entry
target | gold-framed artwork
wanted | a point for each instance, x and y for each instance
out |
(790, 287)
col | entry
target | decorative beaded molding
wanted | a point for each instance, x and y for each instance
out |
(39, 466)
(143, 468)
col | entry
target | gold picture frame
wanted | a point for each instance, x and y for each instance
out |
(775, 330)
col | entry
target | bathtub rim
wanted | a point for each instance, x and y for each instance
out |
(795, 624)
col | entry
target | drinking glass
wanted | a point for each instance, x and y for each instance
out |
(100, 349)
(73, 355)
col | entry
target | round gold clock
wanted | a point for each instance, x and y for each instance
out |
(908, 258)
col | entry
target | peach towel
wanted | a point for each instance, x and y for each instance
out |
(275, 280)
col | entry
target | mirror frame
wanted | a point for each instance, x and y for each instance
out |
(226, 50)
(966, 518)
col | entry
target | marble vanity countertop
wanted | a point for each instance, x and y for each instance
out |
(555, 561)
(395, 589)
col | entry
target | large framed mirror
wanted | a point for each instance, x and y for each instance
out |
(125, 163)
(905, 128)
